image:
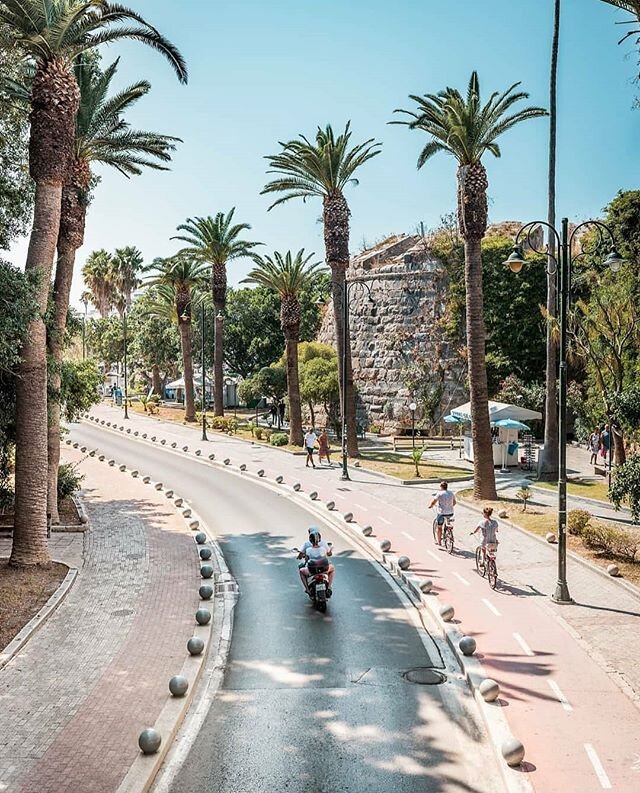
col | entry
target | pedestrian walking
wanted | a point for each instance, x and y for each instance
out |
(594, 446)
(273, 410)
(605, 442)
(281, 409)
(324, 450)
(310, 440)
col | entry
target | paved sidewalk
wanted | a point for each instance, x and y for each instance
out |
(74, 700)
(569, 675)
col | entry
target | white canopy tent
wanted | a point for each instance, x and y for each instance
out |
(505, 441)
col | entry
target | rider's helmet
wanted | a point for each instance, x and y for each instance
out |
(313, 528)
(314, 537)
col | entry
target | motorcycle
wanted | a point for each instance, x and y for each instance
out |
(318, 580)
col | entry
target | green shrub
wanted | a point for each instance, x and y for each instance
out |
(154, 398)
(611, 541)
(258, 432)
(625, 484)
(251, 426)
(279, 439)
(267, 435)
(69, 480)
(376, 429)
(577, 521)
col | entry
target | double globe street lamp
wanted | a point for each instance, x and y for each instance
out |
(561, 267)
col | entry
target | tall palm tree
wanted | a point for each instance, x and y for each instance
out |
(96, 274)
(127, 264)
(217, 241)
(179, 277)
(548, 467)
(465, 128)
(288, 275)
(103, 136)
(52, 34)
(323, 169)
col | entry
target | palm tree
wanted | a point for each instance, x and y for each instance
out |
(549, 458)
(127, 264)
(178, 278)
(96, 274)
(216, 241)
(288, 275)
(323, 169)
(102, 136)
(465, 128)
(52, 35)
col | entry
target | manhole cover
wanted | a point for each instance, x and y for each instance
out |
(424, 676)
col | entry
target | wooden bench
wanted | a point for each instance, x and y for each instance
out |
(401, 442)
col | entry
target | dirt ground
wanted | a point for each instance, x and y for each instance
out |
(23, 592)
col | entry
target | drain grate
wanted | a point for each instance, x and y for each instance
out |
(424, 676)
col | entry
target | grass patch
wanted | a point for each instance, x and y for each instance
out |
(23, 592)
(403, 467)
(588, 489)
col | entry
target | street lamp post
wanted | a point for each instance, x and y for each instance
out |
(124, 325)
(413, 407)
(562, 269)
(84, 322)
(204, 373)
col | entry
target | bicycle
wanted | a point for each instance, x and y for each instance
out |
(486, 563)
(447, 532)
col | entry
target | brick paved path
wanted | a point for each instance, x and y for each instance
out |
(74, 700)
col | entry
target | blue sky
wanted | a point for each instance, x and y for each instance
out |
(266, 70)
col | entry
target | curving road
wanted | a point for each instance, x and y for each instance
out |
(309, 701)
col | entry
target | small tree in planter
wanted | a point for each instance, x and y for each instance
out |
(524, 494)
(416, 456)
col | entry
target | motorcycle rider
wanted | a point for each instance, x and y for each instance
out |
(315, 548)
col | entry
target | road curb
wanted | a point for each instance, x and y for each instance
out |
(36, 622)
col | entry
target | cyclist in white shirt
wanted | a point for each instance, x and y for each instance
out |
(445, 501)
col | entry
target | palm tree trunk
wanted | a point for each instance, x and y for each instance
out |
(187, 364)
(218, 361)
(30, 527)
(548, 465)
(336, 240)
(291, 335)
(156, 381)
(472, 217)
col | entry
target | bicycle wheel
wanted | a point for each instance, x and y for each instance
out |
(480, 563)
(435, 532)
(448, 539)
(492, 573)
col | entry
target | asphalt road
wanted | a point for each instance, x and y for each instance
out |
(310, 701)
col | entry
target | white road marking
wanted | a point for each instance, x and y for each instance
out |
(561, 697)
(434, 555)
(597, 767)
(525, 647)
(491, 607)
(463, 580)
(384, 520)
(408, 536)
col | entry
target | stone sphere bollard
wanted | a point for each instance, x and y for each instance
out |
(613, 570)
(205, 554)
(206, 591)
(426, 586)
(261, 472)
(185, 448)
(195, 645)
(101, 458)
(297, 486)
(186, 512)
(203, 616)
(149, 741)
(123, 468)
(163, 442)
(83, 449)
(112, 463)
(174, 445)
(367, 531)
(385, 546)
(447, 612)
(513, 751)
(201, 538)
(503, 514)
(153, 438)
(243, 467)
(178, 501)
(198, 452)
(75, 445)
(168, 494)
(144, 435)
(348, 516)
(158, 485)
(550, 537)
(279, 479)
(136, 433)
(227, 461)
(313, 495)
(206, 571)
(489, 690)
(178, 686)
(404, 563)
(212, 457)
(194, 524)
(92, 453)
(331, 505)
(134, 474)
(467, 645)
(68, 441)
(108, 423)
(146, 479)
